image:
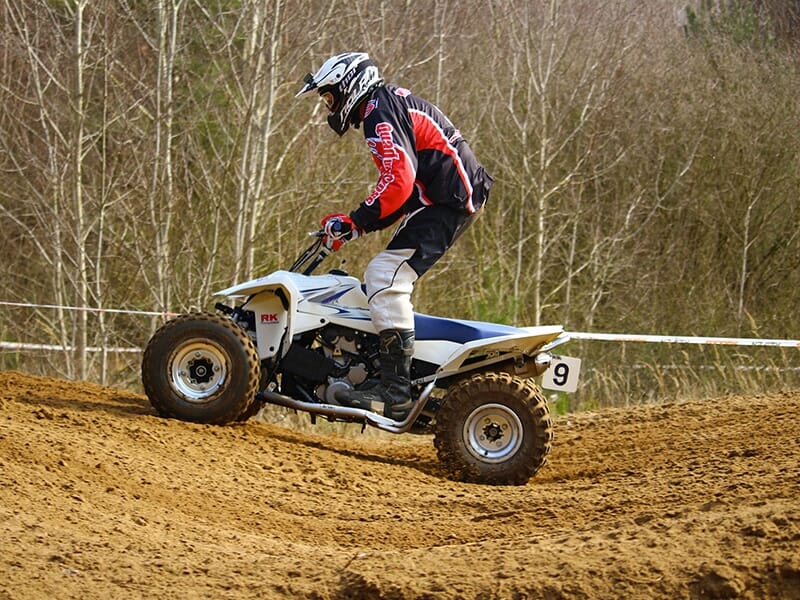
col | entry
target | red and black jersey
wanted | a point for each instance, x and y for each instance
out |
(422, 160)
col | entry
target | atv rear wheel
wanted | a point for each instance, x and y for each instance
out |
(493, 428)
(202, 368)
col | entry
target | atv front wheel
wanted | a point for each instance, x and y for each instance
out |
(493, 428)
(201, 368)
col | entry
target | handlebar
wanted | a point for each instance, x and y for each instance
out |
(313, 255)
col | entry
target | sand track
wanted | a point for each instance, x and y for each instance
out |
(99, 498)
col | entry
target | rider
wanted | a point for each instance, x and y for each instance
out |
(428, 176)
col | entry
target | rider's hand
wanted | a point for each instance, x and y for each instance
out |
(338, 229)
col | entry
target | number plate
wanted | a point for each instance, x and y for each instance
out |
(562, 375)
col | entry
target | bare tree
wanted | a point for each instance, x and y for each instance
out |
(51, 182)
(559, 74)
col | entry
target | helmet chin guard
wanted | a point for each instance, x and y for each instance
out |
(343, 82)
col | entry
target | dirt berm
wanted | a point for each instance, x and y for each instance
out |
(99, 498)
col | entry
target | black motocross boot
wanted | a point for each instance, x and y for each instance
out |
(394, 390)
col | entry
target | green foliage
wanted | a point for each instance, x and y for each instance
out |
(496, 310)
(739, 21)
(561, 404)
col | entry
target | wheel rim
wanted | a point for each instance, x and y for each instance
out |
(493, 433)
(199, 370)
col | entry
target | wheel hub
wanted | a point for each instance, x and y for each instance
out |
(198, 370)
(493, 433)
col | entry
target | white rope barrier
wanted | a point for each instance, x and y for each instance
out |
(91, 309)
(678, 339)
(575, 335)
(58, 348)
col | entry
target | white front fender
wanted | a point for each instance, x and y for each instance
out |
(274, 302)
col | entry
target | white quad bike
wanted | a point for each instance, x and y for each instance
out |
(297, 339)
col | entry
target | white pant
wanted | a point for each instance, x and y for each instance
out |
(390, 281)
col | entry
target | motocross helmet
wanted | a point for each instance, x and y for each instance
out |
(343, 82)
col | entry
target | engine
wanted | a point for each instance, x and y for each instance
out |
(330, 360)
(349, 351)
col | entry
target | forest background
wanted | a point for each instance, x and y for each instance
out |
(645, 155)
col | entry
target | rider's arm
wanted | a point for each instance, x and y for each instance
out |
(386, 132)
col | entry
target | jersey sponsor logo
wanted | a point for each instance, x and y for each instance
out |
(371, 105)
(383, 147)
(402, 92)
(388, 152)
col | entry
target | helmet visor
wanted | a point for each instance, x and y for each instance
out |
(310, 84)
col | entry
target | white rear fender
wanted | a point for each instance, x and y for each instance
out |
(527, 343)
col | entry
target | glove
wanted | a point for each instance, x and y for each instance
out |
(338, 228)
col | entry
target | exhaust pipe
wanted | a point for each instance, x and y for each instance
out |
(352, 414)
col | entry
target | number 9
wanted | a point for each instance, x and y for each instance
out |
(560, 374)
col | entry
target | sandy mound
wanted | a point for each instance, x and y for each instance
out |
(99, 498)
